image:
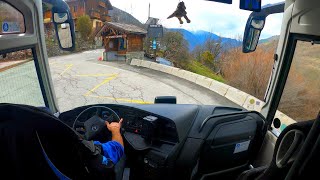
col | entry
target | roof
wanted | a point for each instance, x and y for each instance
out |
(109, 5)
(127, 28)
(152, 20)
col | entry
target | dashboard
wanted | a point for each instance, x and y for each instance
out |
(164, 138)
(149, 126)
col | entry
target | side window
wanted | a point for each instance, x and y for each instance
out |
(19, 80)
(11, 20)
(300, 100)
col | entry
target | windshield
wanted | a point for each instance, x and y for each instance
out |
(133, 52)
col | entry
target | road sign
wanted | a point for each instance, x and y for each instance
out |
(155, 31)
(154, 44)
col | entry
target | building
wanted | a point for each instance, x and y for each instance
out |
(122, 41)
(97, 10)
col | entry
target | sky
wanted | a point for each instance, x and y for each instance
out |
(222, 19)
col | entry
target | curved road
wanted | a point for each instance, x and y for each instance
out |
(80, 79)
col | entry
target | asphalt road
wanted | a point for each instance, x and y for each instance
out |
(80, 79)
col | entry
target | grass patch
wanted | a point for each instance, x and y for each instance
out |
(200, 69)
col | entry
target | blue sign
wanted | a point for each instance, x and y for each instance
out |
(5, 27)
(10, 27)
(154, 44)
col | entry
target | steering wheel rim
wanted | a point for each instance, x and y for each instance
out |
(113, 113)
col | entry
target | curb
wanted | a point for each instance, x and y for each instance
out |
(14, 65)
(237, 96)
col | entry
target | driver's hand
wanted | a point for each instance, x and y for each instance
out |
(114, 127)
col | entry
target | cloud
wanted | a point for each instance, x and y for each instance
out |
(223, 19)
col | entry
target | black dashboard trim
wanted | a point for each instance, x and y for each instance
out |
(226, 114)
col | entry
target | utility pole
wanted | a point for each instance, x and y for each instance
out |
(149, 12)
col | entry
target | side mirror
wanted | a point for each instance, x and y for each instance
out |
(64, 27)
(252, 33)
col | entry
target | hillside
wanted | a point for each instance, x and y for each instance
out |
(270, 39)
(121, 16)
(300, 99)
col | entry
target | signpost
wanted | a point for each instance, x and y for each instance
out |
(155, 31)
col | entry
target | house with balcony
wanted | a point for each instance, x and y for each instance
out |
(97, 10)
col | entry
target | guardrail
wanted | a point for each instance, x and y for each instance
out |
(237, 96)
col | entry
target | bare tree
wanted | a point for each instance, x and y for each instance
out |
(176, 48)
(248, 72)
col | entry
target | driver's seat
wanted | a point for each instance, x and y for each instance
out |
(37, 145)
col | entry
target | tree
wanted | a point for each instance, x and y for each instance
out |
(176, 48)
(207, 58)
(213, 46)
(208, 52)
(84, 26)
(197, 52)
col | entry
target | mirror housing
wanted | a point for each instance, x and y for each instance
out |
(252, 33)
(63, 24)
(254, 25)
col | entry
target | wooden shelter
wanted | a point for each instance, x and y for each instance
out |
(122, 40)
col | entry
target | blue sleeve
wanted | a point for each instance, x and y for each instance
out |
(111, 150)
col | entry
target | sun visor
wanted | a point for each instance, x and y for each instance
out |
(305, 18)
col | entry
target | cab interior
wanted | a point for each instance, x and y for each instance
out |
(162, 140)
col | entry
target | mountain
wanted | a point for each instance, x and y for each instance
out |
(270, 39)
(121, 16)
(199, 37)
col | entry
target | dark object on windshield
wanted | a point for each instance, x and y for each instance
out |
(165, 100)
(251, 5)
(180, 12)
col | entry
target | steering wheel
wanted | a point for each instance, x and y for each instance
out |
(95, 124)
